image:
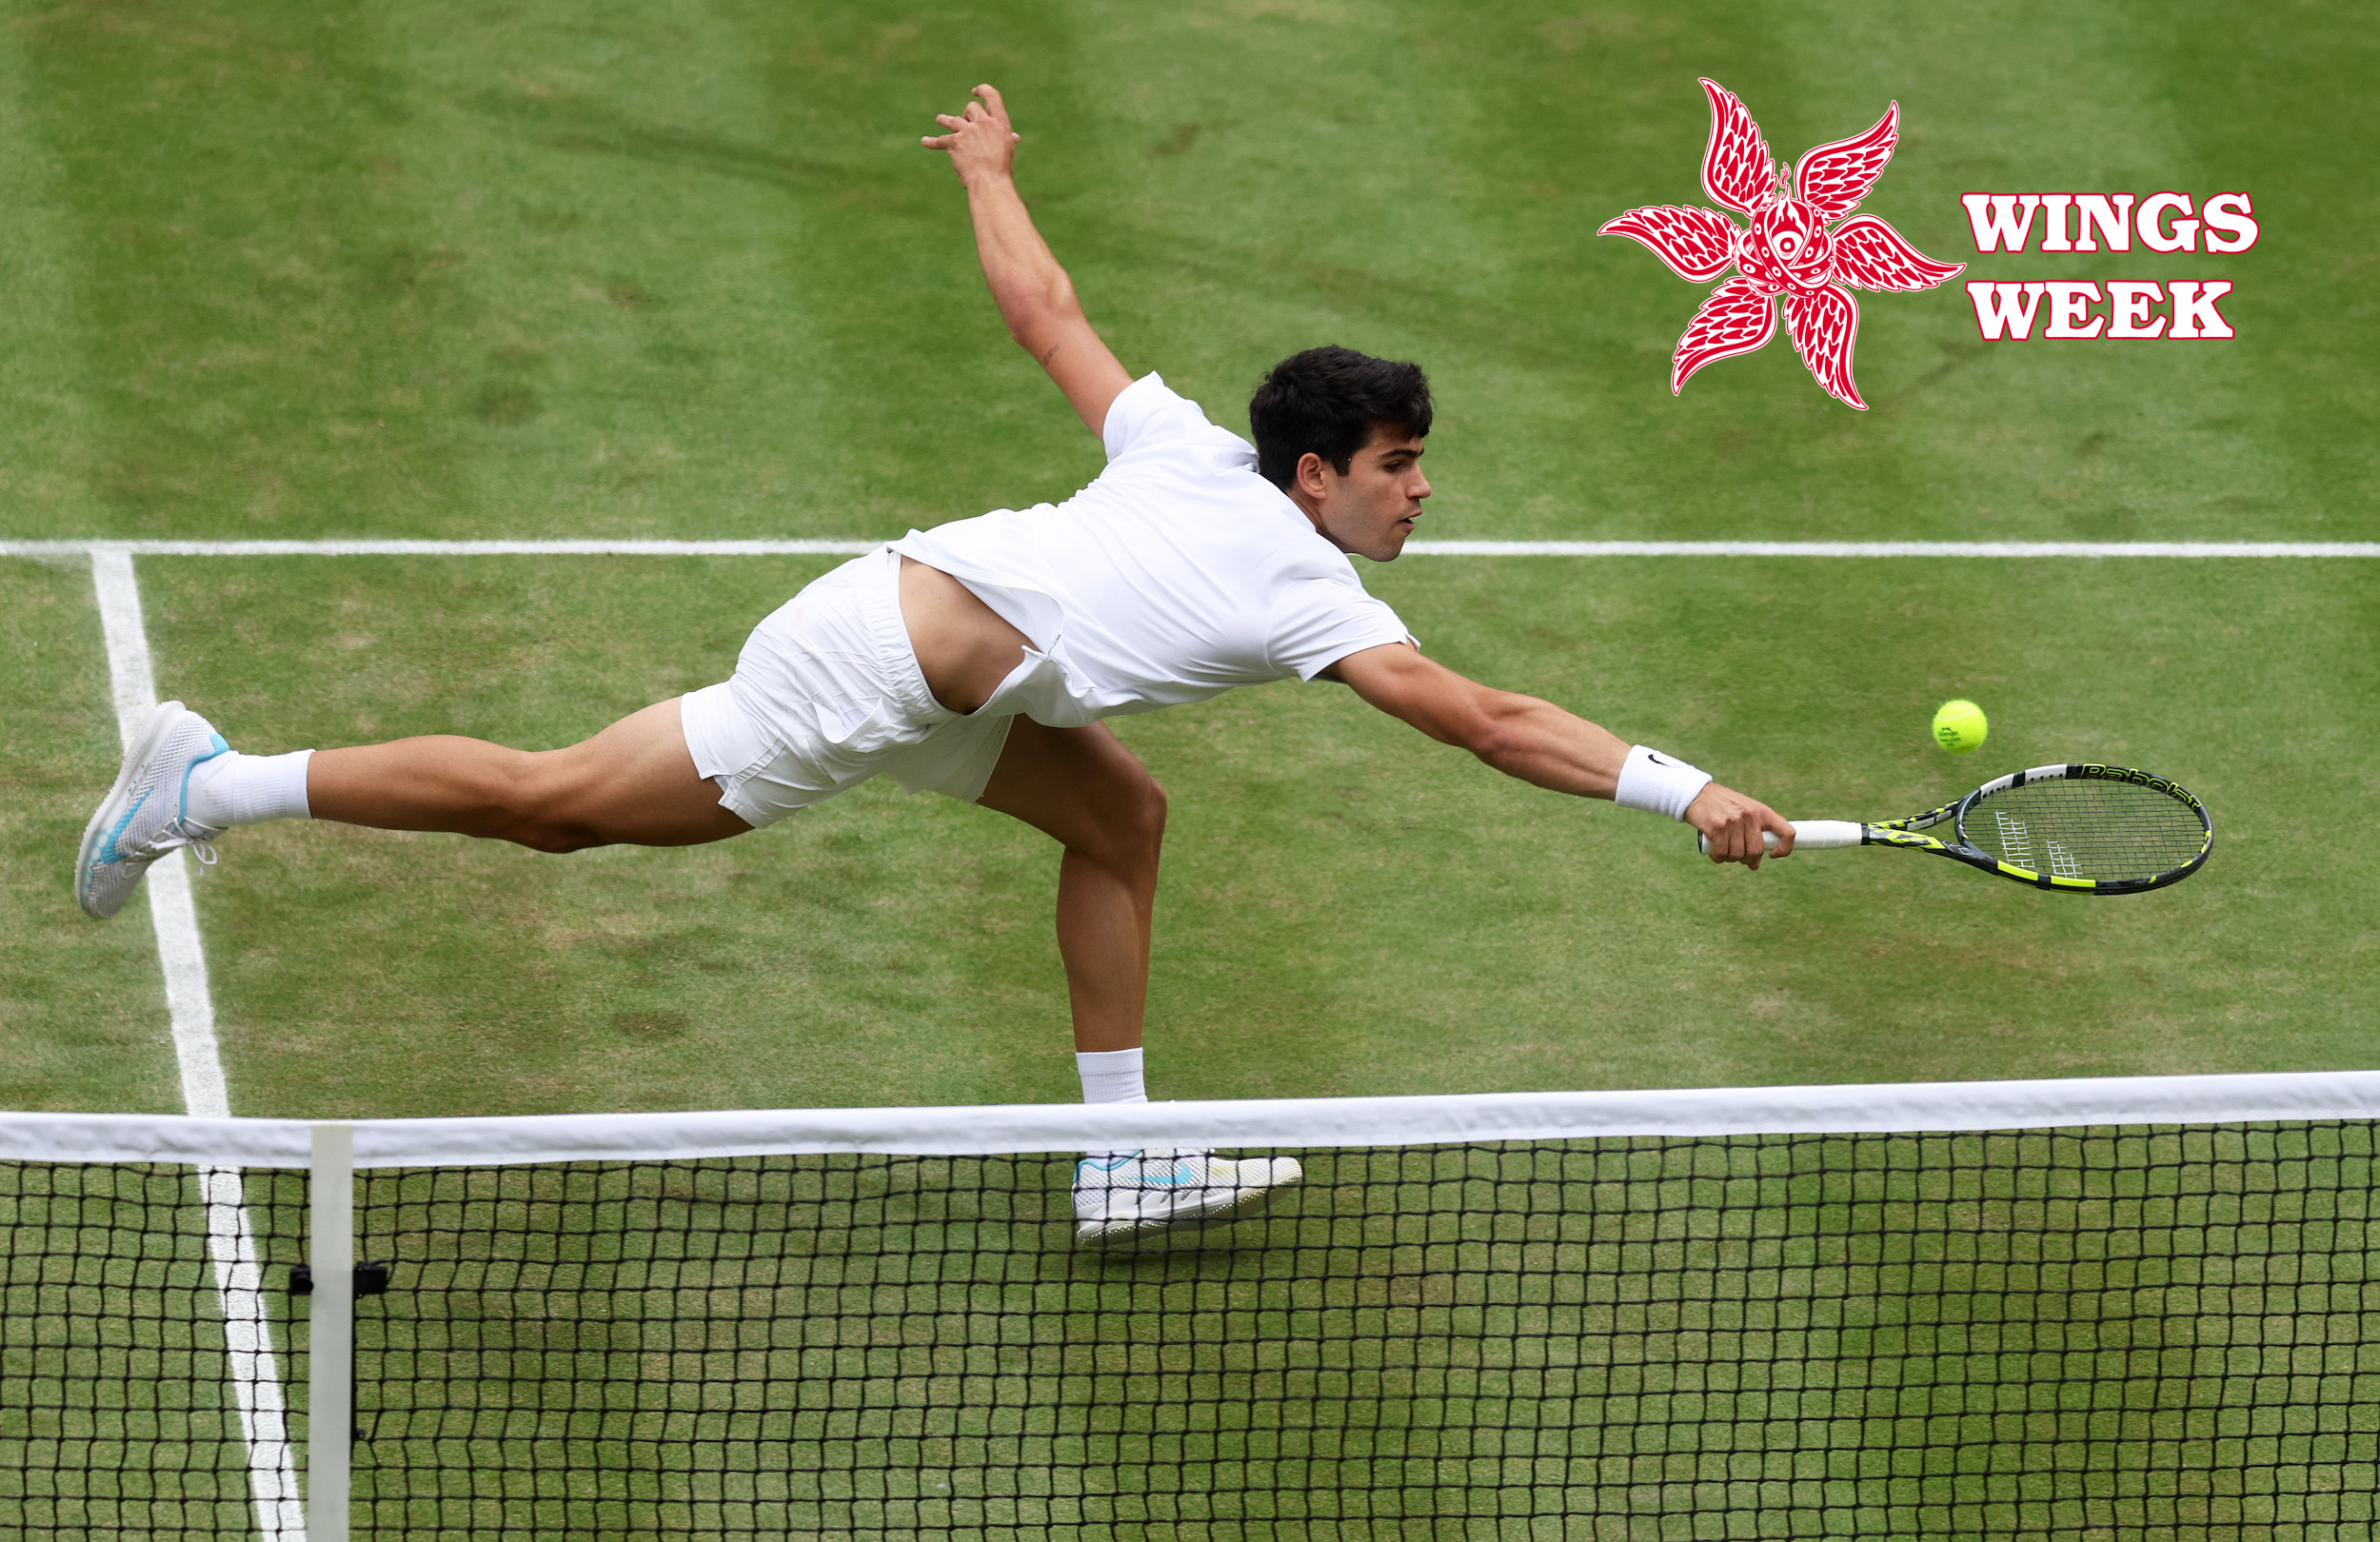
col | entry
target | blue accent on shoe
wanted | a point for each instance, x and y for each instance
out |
(1179, 1174)
(219, 748)
(107, 847)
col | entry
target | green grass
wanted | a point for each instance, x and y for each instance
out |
(536, 269)
(82, 1008)
(1946, 1336)
(613, 268)
(116, 1415)
(1956, 1337)
(289, 271)
(1348, 907)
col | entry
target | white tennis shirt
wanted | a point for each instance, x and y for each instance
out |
(1177, 575)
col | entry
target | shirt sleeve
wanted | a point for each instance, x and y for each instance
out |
(1317, 621)
(1147, 412)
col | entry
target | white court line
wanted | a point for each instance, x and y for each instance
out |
(1894, 548)
(1418, 549)
(187, 999)
(230, 1238)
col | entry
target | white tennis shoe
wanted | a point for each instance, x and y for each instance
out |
(1123, 1199)
(146, 813)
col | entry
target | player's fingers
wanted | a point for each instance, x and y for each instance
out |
(1780, 826)
(940, 142)
(1743, 837)
(990, 94)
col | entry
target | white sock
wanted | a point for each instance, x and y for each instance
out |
(233, 790)
(1110, 1077)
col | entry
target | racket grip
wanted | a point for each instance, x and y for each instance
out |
(1809, 835)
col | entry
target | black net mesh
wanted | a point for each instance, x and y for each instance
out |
(2081, 828)
(2079, 1335)
(134, 1402)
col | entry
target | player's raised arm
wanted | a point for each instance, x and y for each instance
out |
(1542, 744)
(1036, 298)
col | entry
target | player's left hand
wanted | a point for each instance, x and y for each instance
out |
(1733, 823)
(980, 142)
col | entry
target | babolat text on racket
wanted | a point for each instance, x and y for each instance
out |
(2086, 829)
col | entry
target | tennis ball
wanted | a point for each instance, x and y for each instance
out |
(1959, 726)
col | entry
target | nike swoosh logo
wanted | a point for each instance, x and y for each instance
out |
(1180, 1175)
(108, 852)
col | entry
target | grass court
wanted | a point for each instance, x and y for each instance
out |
(298, 272)
(598, 269)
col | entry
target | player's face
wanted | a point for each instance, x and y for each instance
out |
(1370, 511)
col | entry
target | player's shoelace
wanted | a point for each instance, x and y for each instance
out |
(178, 834)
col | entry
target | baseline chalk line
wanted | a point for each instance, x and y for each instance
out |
(230, 1237)
(2202, 549)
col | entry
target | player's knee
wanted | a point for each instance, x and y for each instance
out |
(1136, 826)
(540, 809)
(552, 837)
(540, 830)
(1149, 816)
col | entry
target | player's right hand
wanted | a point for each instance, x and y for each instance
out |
(1732, 823)
(980, 140)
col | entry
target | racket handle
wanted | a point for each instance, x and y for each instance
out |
(1810, 835)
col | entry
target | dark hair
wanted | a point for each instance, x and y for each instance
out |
(1329, 400)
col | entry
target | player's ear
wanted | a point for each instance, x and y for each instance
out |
(1310, 475)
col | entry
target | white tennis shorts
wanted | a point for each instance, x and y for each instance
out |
(827, 693)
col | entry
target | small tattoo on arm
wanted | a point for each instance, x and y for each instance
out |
(1051, 354)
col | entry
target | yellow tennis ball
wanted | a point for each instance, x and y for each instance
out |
(1959, 726)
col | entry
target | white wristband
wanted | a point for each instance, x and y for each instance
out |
(1658, 784)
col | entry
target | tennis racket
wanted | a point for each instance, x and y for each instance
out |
(2086, 829)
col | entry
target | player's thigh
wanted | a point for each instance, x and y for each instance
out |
(636, 781)
(1082, 787)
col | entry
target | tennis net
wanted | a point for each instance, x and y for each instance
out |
(2123, 1309)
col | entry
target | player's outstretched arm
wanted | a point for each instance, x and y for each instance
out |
(1036, 298)
(1541, 743)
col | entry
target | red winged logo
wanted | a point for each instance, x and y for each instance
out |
(1788, 250)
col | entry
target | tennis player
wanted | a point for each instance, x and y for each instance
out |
(977, 659)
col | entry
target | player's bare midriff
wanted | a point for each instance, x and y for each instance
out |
(964, 650)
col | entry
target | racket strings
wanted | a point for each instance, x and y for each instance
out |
(2086, 829)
